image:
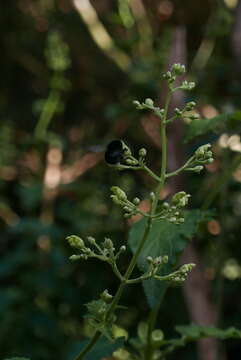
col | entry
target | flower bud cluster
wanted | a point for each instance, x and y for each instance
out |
(187, 85)
(176, 70)
(185, 113)
(203, 155)
(181, 274)
(156, 263)
(148, 104)
(119, 197)
(104, 252)
(171, 211)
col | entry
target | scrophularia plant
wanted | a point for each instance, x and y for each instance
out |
(150, 343)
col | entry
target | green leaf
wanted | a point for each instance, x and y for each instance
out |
(102, 349)
(164, 239)
(194, 332)
(224, 122)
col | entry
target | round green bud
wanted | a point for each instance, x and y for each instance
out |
(88, 251)
(75, 257)
(149, 102)
(149, 259)
(127, 216)
(152, 196)
(106, 297)
(75, 241)
(165, 259)
(142, 152)
(194, 116)
(136, 103)
(157, 337)
(91, 239)
(122, 248)
(136, 201)
(190, 105)
(108, 244)
(177, 111)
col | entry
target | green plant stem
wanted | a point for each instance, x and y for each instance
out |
(154, 311)
(88, 346)
(134, 259)
(49, 109)
(151, 173)
(119, 292)
(176, 172)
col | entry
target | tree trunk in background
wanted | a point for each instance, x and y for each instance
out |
(196, 289)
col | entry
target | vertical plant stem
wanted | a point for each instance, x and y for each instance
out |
(134, 259)
(119, 292)
(155, 310)
(49, 109)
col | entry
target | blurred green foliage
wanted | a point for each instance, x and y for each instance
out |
(62, 98)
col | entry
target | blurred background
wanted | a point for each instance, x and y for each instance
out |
(69, 73)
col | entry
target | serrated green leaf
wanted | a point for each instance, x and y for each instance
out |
(102, 349)
(226, 122)
(194, 332)
(164, 239)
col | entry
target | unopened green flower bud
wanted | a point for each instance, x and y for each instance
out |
(149, 102)
(122, 248)
(75, 241)
(129, 161)
(106, 297)
(149, 259)
(120, 194)
(187, 85)
(157, 337)
(157, 261)
(177, 111)
(152, 196)
(136, 103)
(196, 169)
(142, 152)
(167, 75)
(186, 268)
(87, 251)
(194, 116)
(136, 201)
(108, 244)
(91, 240)
(190, 105)
(126, 208)
(75, 257)
(127, 216)
(180, 199)
(165, 259)
(178, 69)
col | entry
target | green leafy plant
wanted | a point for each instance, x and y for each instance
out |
(156, 241)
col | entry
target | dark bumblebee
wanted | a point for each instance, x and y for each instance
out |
(115, 152)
